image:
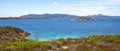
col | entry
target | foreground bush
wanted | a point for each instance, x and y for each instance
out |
(14, 39)
(27, 46)
(92, 43)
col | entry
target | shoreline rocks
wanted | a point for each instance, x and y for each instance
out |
(11, 34)
(12, 38)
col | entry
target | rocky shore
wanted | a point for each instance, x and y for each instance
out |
(84, 18)
(12, 34)
(88, 18)
(15, 39)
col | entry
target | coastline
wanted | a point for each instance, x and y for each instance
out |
(17, 18)
(96, 42)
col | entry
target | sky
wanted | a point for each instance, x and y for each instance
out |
(15, 8)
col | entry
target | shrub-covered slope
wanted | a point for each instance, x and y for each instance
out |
(12, 34)
(14, 39)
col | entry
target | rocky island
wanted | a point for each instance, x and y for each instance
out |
(39, 16)
(84, 18)
(14, 39)
(50, 16)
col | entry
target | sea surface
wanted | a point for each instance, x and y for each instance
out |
(51, 29)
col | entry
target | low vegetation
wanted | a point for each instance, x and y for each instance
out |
(84, 18)
(12, 34)
(91, 43)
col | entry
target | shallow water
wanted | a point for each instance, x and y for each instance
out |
(65, 27)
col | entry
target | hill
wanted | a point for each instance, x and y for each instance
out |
(98, 16)
(14, 39)
(12, 34)
(48, 16)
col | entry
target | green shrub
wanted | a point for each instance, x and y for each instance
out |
(29, 44)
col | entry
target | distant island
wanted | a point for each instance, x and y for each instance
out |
(84, 18)
(18, 18)
(50, 16)
(40, 16)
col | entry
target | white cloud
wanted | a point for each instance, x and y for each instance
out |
(114, 2)
(99, 10)
(109, 2)
(112, 12)
(55, 3)
(92, 10)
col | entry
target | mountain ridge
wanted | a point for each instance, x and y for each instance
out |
(47, 15)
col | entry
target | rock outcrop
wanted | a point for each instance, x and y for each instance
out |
(84, 18)
(11, 34)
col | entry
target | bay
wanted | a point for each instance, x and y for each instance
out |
(56, 28)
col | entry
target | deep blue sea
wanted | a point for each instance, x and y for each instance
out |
(50, 29)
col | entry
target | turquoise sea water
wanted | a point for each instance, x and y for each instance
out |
(65, 27)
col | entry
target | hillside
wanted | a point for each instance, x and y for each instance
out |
(60, 16)
(98, 16)
(14, 39)
(12, 34)
(48, 16)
